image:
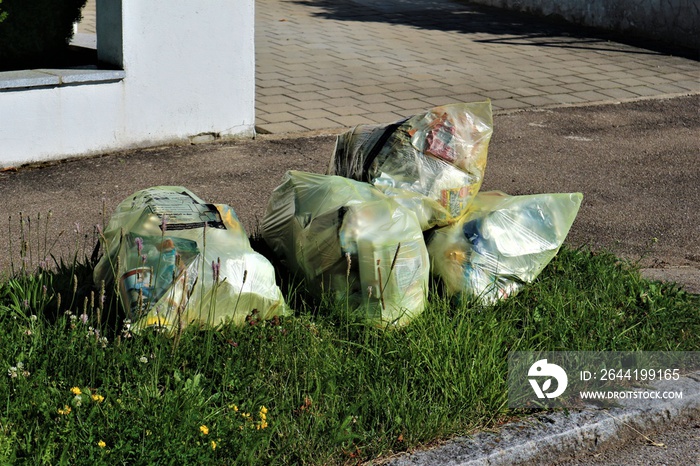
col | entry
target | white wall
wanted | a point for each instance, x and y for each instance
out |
(189, 69)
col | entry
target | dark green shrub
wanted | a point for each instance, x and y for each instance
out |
(35, 33)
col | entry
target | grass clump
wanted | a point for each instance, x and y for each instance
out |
(316, 388)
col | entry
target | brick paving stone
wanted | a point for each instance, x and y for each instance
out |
(352, 120)
(337, 93)
(617, 93)
(593, 96)
(565, 98)
(318, 123)
(693, 86)
(645, 91)
(276, 128)
(571, 79)
(273, 91)
(374, 98)
(347, 110)
(278, 117)
(526, 91)
(554, 89)
(442, 100)
(630, 82)
(508, 104)
(605, 84)
(411, 104)
(284, 107)
(668, 89)
(341, 102)
(273, 100)
(385, 117)
(310, 104)
(501, 94)
(538, 101)
(580, 87)
(312, 114)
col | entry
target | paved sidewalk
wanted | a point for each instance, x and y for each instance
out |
(88, 24)
(336, 63)
(330, 64)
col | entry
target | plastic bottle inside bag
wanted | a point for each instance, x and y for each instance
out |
(166, 267)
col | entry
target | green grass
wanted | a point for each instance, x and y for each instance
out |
(334, 391)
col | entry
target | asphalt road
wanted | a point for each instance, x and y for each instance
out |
(677, 444)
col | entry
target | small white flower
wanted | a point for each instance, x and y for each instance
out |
(12, 372)
(20, 365)
(143, 359)
(33, 318)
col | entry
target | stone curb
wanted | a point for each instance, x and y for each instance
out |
(547, 438)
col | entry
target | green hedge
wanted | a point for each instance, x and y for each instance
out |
(36, 33)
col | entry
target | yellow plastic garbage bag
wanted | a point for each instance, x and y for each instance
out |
(180, 260)
(440, 154)
(502, 243)
(348, 238)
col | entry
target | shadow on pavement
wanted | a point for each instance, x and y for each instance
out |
(467, 18)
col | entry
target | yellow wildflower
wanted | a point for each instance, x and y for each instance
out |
(213, 445)
(76, 391)
(98, 398)
(101, 444)
(262, 424)
(204, 429)
(65, 410)
(263, 410)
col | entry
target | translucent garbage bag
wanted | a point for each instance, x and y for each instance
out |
(180, 260)
(440, 154)
(348, 238)
(502, 243)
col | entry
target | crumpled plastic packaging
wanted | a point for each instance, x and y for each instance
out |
(440, 154)
(348, 238)
(502, 243)
(180, 260)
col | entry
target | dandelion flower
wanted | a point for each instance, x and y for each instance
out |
(101, 444)
(76, 391)
(261, 425)
(64, 411)
(204, 429)
(213, 445)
